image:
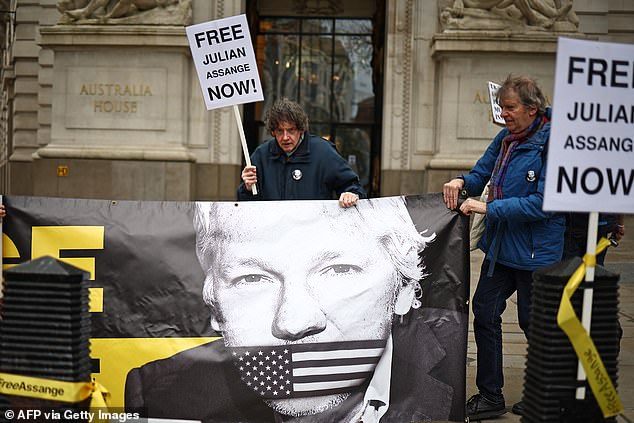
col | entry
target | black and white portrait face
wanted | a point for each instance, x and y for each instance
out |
(309, 273)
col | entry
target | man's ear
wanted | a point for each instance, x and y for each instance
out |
(533, 111)
(209, 300)
(404, 300)
(215, 325)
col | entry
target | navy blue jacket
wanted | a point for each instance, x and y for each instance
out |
(518, 233)
(322, 172)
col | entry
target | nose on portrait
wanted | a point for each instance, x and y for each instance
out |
(297, 316)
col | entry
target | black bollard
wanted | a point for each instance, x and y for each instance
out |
(550, 378)
(45, 330)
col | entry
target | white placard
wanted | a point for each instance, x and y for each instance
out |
(225, 62)
(496, 110)
(591, 153)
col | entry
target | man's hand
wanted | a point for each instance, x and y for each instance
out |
(450, 192)
(249, 177)
(619, 233)
(471, 205)
(348, 199)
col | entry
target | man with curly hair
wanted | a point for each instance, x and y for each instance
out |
(296, 165)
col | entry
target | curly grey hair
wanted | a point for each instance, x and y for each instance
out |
(527, 90)
(285, 110)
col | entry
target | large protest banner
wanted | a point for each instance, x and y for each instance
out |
(351, 312)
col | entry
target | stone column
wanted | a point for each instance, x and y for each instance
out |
(25, 65)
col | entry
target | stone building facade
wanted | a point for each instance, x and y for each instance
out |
(100, 99)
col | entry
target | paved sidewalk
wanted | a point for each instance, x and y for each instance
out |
(619, 260)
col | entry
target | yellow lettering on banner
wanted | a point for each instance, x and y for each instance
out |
(586, 351)
(50, 240)
(96, 300)
(117, 356)
(9, 250)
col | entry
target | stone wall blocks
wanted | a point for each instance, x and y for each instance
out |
(43, 135)
(593, 24)
(178, 181)
(26, 31)
(26, 67)
(44, 116)
(25, 121)
(45, 76)
(623, 23)
(26, 86)
(207, 181)
(24, 138)
(228, 181)
(25, 48)
(28, 13)
(46, 57)
(25, 103)
(45, 96)
(591, 6)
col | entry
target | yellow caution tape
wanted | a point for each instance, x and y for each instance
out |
(54, 390)
(100, 396)
(100, 399)
(598, 377)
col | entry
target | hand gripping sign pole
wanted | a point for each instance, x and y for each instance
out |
(226, 67)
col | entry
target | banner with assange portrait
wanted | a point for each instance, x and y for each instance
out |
(266, 311)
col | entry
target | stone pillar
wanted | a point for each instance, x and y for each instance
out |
(25, 66)
(396, 175)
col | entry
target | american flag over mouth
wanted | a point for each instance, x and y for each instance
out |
(307, 370)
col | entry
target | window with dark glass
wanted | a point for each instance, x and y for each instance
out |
(325, 64)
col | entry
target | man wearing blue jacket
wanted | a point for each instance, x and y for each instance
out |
(295, 165)
(519, 236)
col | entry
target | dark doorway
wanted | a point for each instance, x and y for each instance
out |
(331, 63)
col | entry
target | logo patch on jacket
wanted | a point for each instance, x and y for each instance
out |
(297, 174)
(530, 176)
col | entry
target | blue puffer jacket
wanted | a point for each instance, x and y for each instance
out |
(315, 171)
(518, 233)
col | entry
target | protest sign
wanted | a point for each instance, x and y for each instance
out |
(226, 67)
(225, 62)
(496, 110)
(591, 153)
